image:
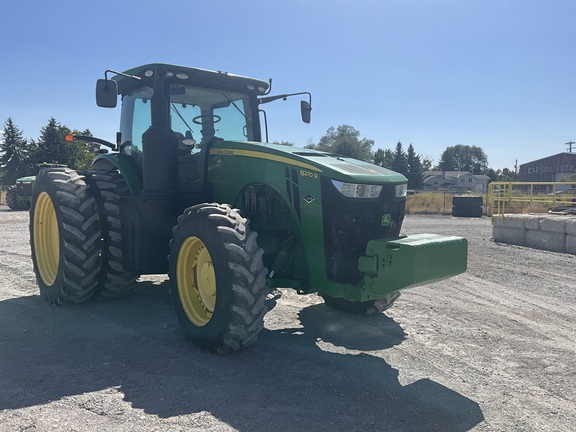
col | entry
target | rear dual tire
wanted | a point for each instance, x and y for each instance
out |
(65, 237)
(108, 187)
(75, 235)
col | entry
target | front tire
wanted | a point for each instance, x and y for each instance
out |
(65, 237)
(218, 279)
(370, 307)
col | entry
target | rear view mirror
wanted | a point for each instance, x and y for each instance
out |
(305, 110)
(106, 93)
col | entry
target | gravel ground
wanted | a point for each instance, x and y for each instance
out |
(490, 350)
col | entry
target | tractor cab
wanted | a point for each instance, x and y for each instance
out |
(171, 113)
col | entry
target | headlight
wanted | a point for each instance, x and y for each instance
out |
(354, 190)
(401, 190)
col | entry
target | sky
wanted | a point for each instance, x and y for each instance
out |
(497, 74)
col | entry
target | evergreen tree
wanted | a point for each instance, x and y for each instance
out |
(400, 163)
(52, 146)
(415, 174)
(14, 154)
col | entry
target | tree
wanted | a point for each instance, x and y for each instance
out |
(53, 147)
(384, 158)
(410, 164)
(463, 158)
(14, 154)
(447, 162)
(504, 175)
(345, 140)
(81, 153)
(426, 162)
(51, 144)
(284, 143)
(415, 173)
(508, 175)
(400, 164)
(493, 174)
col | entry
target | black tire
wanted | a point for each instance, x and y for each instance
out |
(467, 201)
(370, 307)
(467, 211)
(108, 187)
(218, 279)
(14, 202)
(65, 237)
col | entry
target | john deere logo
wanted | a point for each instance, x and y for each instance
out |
(386, 219)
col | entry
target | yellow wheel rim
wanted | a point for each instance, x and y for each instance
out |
(46, 239)
(196, 281)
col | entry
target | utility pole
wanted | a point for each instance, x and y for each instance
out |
(570, 144)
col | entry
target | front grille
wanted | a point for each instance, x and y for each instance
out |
(349, 223)
(24, 189)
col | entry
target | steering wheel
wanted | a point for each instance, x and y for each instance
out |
(198, 119)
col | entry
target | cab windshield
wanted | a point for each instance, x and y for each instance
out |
(205, 113)
(196, 113)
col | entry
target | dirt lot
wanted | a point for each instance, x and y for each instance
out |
(491, 350)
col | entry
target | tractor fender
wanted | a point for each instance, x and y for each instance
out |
(126, 165)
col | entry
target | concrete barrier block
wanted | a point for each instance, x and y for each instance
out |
(507, 234)
(571, 226)
(510, 221)
(571, 244)
(533, 222)
(554, 224)
(547, 240)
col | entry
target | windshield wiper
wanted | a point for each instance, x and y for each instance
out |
(227, 96)
(180, 115)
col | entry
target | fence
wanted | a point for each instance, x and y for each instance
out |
(525, 197)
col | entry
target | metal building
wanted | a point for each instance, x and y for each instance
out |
(549, 169)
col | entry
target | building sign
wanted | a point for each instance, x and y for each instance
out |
(549, 169)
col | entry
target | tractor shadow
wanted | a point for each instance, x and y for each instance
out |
(318, 375)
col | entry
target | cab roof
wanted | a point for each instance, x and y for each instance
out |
(191, 76)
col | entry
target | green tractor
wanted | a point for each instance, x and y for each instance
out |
(190, 189)
(14, 200)
(18, 195)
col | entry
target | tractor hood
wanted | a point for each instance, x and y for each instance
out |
(28, 179)
(336, 167)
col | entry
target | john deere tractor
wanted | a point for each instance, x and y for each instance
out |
(190, 189)
(19, 194)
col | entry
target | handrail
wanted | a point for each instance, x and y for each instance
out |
(531, 196)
